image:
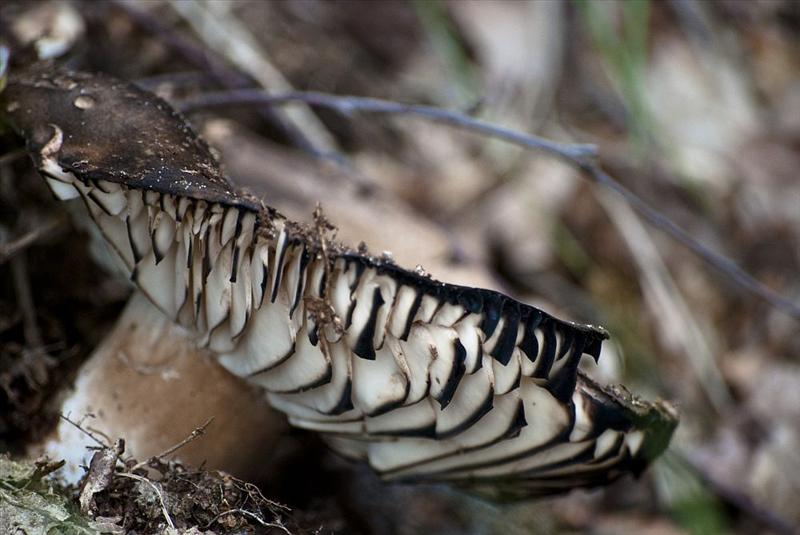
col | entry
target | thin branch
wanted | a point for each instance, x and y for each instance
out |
(222, 32)
(8, 250)
(716, 260)
(207, 61)
(195, 434)
(22, 290)
(583, 157)
(185, 47)
(35, 358)
(347, 105)
(231, 78)
(88, 433)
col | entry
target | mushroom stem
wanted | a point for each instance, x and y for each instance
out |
(149, 384)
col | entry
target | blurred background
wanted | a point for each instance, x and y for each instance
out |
(694, 106)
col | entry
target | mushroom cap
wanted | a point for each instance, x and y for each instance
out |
(115, 131)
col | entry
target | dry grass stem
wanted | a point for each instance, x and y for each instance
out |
(223, 33)
(678, 325)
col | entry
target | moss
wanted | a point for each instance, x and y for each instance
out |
(31, 504)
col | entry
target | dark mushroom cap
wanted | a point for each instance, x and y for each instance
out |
(114, 131)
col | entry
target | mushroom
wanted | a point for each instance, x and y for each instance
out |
(421, 379)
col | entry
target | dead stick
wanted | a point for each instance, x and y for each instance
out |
(196, 433)
(346, 105)
(15, 246)
(88, 433)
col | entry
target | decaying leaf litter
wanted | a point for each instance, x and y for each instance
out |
(745, 339)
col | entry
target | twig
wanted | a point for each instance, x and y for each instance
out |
(142, 479)
(196, 433)
(35, 362)
(13, 247)
(22, 290)
(716, 260)
(583, 157)
(222, 32)
(347, 105)
(183, 46)
(231, 78)
(83, 430)
(207, 61)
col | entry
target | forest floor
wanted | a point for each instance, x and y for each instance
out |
(693, 106)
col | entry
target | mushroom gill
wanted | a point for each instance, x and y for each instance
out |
(422, 379)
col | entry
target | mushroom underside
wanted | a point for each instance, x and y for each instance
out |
(392, 371)
(421, 379)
